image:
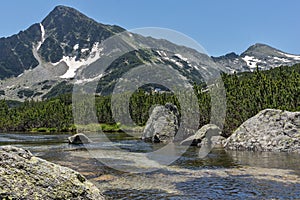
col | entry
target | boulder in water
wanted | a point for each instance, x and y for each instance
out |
(269, 130)
(162, 124)
(208, 133)
(79, 138)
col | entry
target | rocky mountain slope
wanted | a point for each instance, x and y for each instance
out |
(44, 60)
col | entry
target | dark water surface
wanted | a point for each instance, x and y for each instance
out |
(220, 175)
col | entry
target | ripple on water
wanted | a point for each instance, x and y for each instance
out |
(237, 188)
(221, 175)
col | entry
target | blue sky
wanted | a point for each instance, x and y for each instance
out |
(220, 26)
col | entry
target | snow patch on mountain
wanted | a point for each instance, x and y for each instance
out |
(74, 64)
(196, 67)
(181, 57)
(251, 61)
(76, 46)
(42, 37)
(162, 53)
(281, 59)
(20, 75)
(295, 57)
(87, 80)
(84, 50)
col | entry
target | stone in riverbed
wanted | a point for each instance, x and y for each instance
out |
(23, 176)
(206, 134)
(162, 124)
(79, 138)
(269, 130)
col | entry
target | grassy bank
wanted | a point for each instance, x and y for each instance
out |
(86, 128)
(107, 128)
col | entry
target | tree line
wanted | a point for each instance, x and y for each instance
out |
(246, 95)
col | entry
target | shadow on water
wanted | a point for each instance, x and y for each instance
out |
(217, 158)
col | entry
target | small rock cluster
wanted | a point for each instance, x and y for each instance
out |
(163, 125)
(269, 130)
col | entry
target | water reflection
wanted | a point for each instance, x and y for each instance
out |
(281, 160)
(217, 158)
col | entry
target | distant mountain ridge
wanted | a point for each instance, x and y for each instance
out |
(259, 55)
(44, 59)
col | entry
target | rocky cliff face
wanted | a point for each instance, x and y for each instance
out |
(269, 130)
(16, 52)
(23, 176)
(72, 34)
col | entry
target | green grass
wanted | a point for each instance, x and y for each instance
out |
(88, 128)
(52, 130)
(106, 128)
(99, 127)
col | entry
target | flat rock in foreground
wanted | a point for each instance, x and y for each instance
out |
(23, 176)
(269, 130)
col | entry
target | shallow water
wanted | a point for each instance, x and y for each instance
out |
(220, 175)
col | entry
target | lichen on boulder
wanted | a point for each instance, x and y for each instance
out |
(24, 176)
(162, 125)
(269, 130)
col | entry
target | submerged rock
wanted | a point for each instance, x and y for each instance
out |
(269, 130)
(79, 138)
(209, 133)
(23, 176)
(162, 125)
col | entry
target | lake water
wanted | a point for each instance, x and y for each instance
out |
(220, 175)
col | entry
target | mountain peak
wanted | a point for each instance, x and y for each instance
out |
(64, 8)
(258, 45)
(66, 28)
(260, 49)
(63, 13)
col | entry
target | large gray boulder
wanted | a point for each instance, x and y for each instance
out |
(209, 133)
(23, 176)
(79, 138)
(269, 130)
(162, 124)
